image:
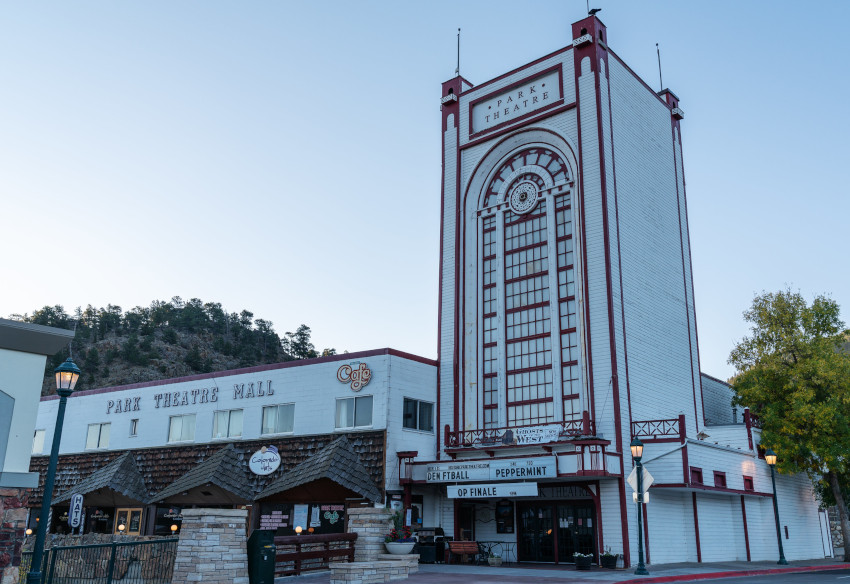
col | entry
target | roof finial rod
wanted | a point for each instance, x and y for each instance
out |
(660, 82)
(457, 71)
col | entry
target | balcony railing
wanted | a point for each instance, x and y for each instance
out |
(660, 430)
(492, 437)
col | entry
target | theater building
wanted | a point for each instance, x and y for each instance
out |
(297, 443)
(567, 328)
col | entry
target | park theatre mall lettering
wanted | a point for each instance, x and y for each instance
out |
(189, 397)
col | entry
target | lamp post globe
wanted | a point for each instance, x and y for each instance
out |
(770, 459)
(67, 375)
(636, 447)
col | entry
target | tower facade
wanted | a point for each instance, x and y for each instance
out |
(567, 324)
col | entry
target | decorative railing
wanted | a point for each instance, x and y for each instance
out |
(492, 437)
(302, 553)
(655, 430)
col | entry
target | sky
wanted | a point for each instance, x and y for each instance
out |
(284, 157)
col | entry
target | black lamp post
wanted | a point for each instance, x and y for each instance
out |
(67, 375)
(637, 452)
(770, 458)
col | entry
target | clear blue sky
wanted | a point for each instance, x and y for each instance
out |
(284, 157)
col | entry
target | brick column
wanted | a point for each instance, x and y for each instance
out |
(212, 547)
(371, 526)
(13, 523)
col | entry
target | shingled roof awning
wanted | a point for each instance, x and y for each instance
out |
(336, 464)
(220, 479)
(117, 484)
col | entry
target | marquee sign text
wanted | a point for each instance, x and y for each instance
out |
(494, 470)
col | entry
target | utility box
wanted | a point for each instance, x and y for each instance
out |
(261, 557)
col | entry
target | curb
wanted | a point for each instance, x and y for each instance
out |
(733, 574)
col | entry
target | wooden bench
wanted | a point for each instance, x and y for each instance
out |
(465, 548)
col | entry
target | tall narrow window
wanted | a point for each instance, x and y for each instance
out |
(38, 442)
(134, 427)
(567, 325)
(490, 349)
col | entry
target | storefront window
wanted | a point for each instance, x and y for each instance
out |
(165, 518)
(131, 519)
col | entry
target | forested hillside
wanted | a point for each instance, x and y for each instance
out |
(164, 340)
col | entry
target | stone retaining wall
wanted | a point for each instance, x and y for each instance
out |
(212, 547)
(371, 526)
(13, 523)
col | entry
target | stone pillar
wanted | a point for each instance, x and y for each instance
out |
(212, 547)
(371, 526)
(13, 524)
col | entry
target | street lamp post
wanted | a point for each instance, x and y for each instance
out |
(637, 452)
(67, 375)
(770, 458)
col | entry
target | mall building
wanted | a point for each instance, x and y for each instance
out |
(567, 328)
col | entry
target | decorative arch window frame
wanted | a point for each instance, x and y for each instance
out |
(493, 202)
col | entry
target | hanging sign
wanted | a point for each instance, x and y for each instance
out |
(264, 461)
(492, 490)
(75, 514)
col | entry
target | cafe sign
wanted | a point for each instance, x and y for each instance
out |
(264, 461)
(492, 470)
(492, 490)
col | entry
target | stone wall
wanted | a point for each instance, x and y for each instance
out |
(371, 526)
(835, 531)
(13, 522)
(212, 547)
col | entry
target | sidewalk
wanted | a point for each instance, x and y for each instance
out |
(524, 574)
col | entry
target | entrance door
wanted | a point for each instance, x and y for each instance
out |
(554, 531)
(536, 534)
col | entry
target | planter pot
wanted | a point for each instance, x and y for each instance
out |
(399, 547)
(583, 563)
(609, 562)
(494, 561)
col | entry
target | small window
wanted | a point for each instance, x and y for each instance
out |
(38, 442)
(98, 436)
(696, 475)
(748, 484)
(354, 412)
(181, 428)
(278, 419)
(227, 424)
(134, 427)
(719, 479)
(418, 415)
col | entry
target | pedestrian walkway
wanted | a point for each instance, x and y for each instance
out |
(527, 574)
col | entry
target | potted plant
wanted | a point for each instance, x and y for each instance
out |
(399, 540)
(609, 559)
(494, 560)
(582, 560)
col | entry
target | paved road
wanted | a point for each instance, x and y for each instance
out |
(831, 577)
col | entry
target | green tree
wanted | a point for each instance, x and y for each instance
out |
(795, 376)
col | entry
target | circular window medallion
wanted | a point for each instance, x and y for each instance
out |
(523, 198)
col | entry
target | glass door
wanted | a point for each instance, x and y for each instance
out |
(575, 530)
(536, 533)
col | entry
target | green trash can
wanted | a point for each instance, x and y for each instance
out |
(261, 556)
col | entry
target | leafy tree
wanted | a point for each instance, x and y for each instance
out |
(795, 376)
(299, 343)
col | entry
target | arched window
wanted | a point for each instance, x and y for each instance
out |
(519, 303)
